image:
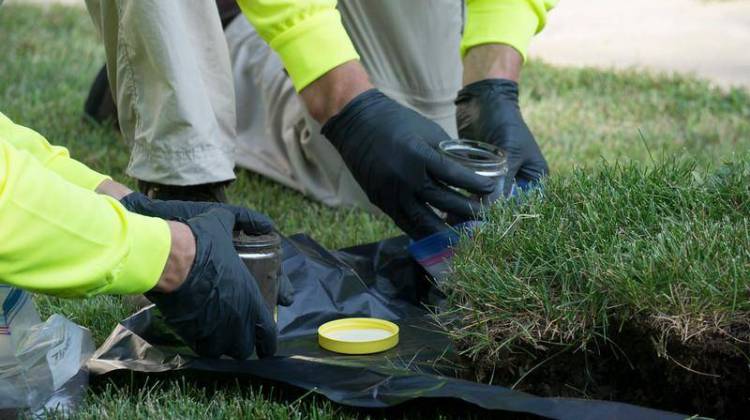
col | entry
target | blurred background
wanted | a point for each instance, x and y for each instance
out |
(705, 38)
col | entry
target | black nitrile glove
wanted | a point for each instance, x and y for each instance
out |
(219, 308)
(392, 152)
(251, 222)
(488, 111)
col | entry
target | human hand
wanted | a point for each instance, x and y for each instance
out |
(392, 152)
(218, 307)
(250, 222)
(488, 111)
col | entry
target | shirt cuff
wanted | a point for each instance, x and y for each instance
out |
(511, 23)
(312, 47)
(77, 173)
(150, 243)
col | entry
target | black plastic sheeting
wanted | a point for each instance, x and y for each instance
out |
(376, 280)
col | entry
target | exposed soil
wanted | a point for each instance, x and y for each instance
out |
(709, 376)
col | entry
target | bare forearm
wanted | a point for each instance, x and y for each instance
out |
(492, 61)
(326, 96)
(180, 260)
(113, 189)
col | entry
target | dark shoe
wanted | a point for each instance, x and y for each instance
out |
(214, 192)
(100, 106)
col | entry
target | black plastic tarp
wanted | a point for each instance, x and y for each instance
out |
(376, 280)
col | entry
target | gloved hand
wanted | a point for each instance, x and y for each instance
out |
(392, 152)
(488, 111)
(250, 222)
(218, 309)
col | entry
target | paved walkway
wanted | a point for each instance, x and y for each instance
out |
(708, 38)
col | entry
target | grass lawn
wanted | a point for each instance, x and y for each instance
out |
(581, 117)
(619, 283)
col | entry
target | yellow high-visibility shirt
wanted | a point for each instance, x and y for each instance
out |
(510, 22)
(58, 236)
(311, 40)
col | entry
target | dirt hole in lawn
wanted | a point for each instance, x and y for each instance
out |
(709, 375)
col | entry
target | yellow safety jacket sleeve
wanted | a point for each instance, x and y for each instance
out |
(54, 158)
(510, 22)
(61, 239)
(307, 34)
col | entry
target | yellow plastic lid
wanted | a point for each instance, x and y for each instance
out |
(358, 335)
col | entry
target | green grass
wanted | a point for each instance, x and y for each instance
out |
(666, 248)
(49, 57)
(181, 399)
(619, 282)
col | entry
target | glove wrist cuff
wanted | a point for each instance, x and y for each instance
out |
(504, 86)
(137, 202)
(339, 122)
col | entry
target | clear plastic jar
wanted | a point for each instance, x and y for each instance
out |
(262, 256)
(482, 158)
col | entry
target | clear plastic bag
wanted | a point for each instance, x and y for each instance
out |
(42, 364)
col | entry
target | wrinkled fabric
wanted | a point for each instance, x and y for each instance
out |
(294, 28)
(171, 75)
(418, 66)
(59, 237)
(376, 280)
(169, 70)
(509, 22)
(54, 158)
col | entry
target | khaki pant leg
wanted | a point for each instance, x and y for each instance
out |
(410, 49)
(168, 65)
(275, 136)
(417, 64)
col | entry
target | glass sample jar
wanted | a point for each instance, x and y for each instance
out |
(482, 158)
(262, 256)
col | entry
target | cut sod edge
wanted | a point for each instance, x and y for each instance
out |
(652, 361)
(530, 330)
